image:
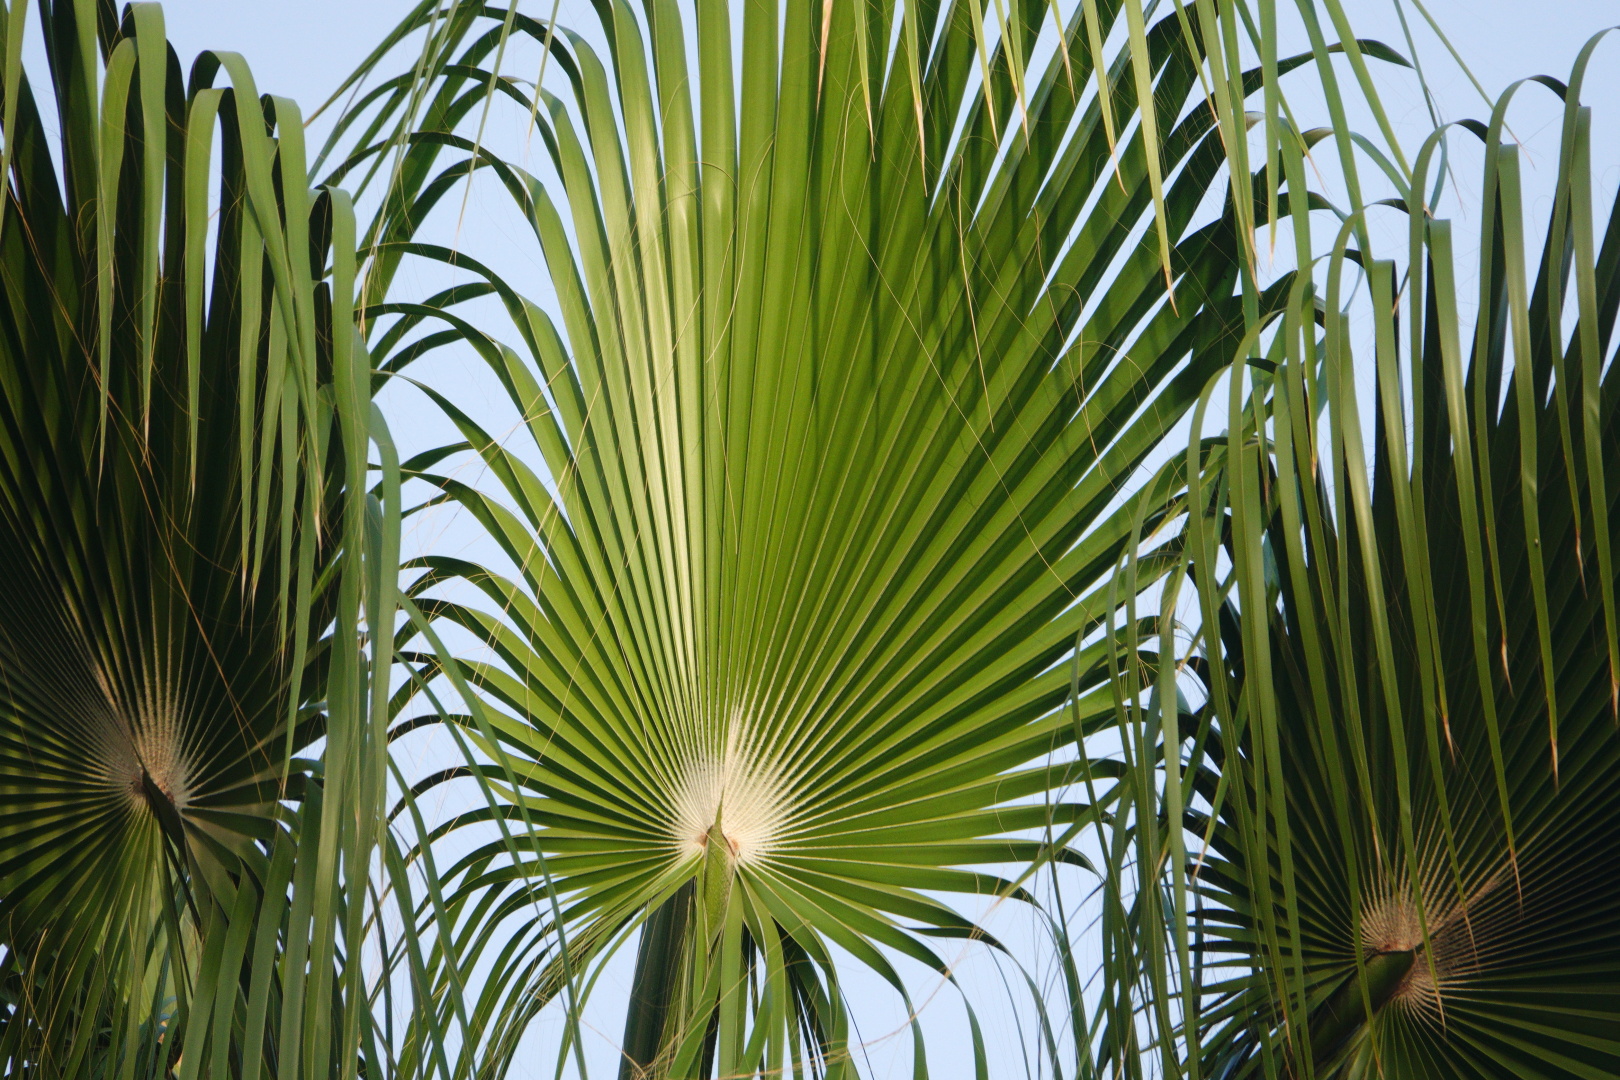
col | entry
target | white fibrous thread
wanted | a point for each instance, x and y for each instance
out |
(149, 743)
(747, 796)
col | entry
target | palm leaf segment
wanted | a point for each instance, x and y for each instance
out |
(183, 436)
(830, 431)
(1414, 768)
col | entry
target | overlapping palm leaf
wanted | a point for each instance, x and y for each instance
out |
(1406, 771)
(184, 423)
(818, 490)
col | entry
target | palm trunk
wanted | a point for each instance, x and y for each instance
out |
(655, 991)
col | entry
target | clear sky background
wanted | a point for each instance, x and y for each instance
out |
(304, 48)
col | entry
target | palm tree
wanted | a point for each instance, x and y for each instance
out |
(862, 335)
(190, 741)
(812, 623)
(1403, 786)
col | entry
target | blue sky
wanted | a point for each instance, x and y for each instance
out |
(302, 48)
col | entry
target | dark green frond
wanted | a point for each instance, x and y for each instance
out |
(186, 716)
(1410, 785)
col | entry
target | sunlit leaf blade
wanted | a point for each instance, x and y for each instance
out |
(816, 490)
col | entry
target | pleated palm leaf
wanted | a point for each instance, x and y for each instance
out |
(864, 331)
(1408, 769)
(184, 528)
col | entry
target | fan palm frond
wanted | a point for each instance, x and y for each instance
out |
(191, 567)
(1407, 771)
(863, 331)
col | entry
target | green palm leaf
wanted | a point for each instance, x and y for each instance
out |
(191, 566)
(817, 495)
(1406, 769)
